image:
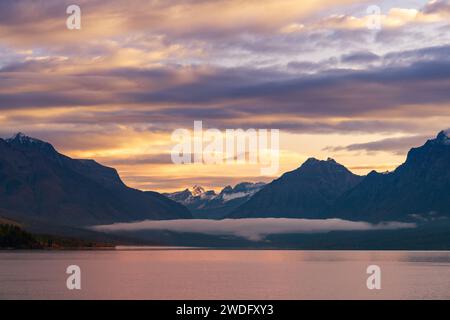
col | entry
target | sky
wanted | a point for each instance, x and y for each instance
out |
(116, 89)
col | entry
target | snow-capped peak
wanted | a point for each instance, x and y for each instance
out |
(23, 141)
(22, 138)
(241, 190)
(197, 190)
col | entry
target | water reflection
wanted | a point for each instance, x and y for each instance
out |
(225, 274)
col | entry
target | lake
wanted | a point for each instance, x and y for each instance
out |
(176, 273)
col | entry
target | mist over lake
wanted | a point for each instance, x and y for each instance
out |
(254, 229)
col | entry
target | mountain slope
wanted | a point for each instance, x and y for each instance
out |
(208, 204)
(418, 189)
(306, 192)
(38, 183)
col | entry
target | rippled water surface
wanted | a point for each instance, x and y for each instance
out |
(224, 274)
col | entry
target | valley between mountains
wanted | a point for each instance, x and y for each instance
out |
(47, 192)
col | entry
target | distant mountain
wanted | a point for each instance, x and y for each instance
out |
(419, 189)
(209, 204)
(38, 183)
(306, 192)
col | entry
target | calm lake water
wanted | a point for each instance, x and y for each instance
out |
(224, 274)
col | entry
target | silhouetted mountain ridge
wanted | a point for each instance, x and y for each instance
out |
(38, 183)
(417, 190)
(305, 192)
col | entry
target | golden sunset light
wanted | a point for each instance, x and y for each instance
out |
(115, 89)
(211, 152)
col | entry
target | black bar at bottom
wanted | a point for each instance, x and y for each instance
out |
(211, 309)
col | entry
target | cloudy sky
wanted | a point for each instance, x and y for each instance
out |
(116, 89)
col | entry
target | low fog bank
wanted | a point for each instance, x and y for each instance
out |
(254, 229)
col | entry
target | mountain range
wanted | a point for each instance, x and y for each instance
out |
(212, 205)
(417, 190)
(37, 183)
